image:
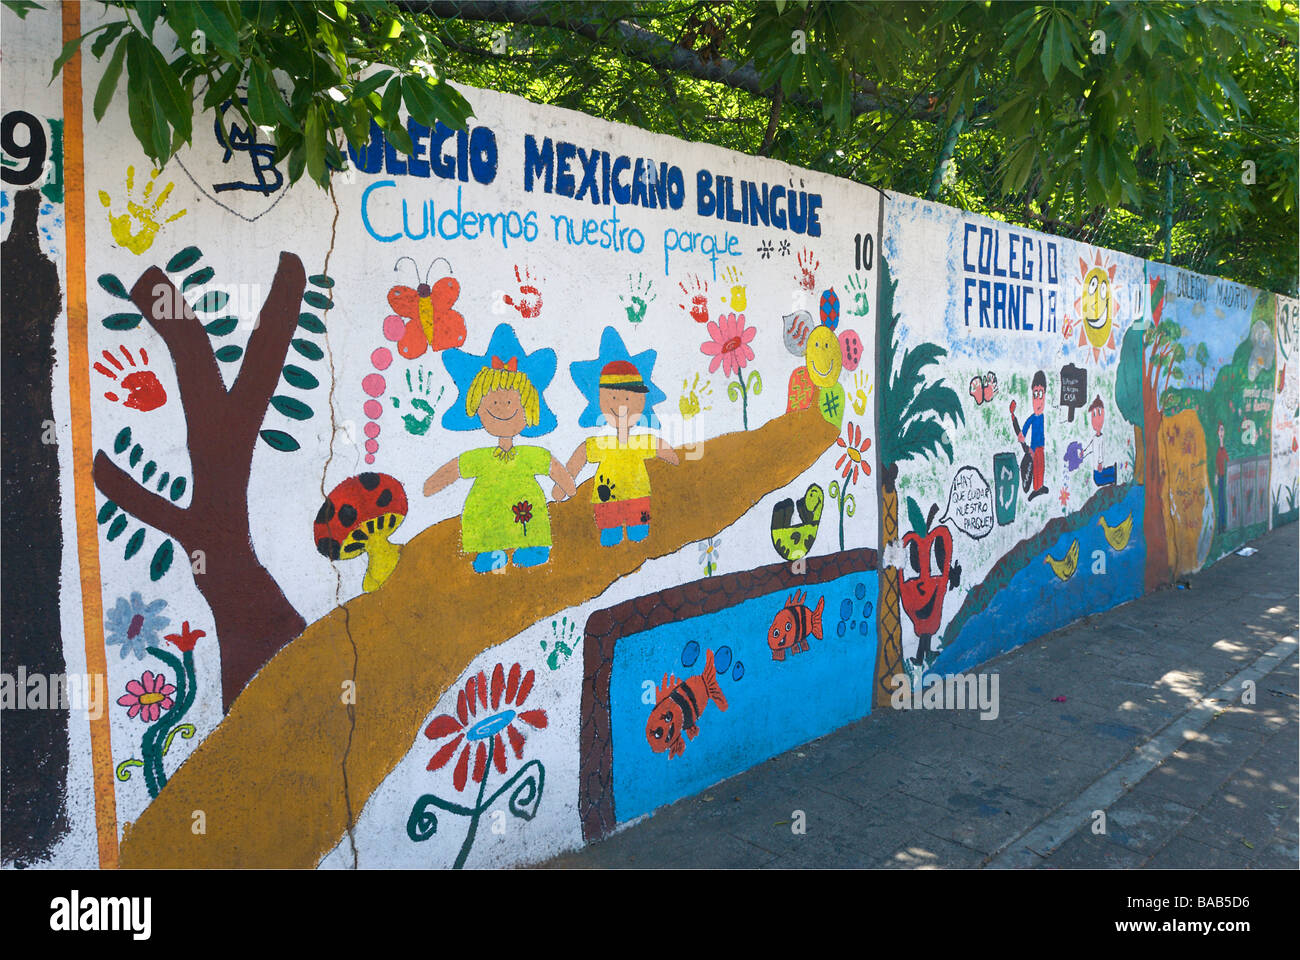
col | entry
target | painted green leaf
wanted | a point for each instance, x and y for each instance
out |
(162, 560)
(300, 378)
(317, 300)
(134, 544)
(321, 280)
(230, 353)
(118, 525)
(915, 517)
(222, 326)
(136, 453)
(294, 409)
(198, 278)
(309, 321)
(212, 301)
(123, 321)
(183, 260)
(280, 440)
(307, 349)
(178, 488)
(162, 481)
(107, 510)
(122, 440)
(113, 285)
(149, 469)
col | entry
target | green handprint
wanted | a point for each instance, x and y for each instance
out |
(858, 291)
(641, 293)
(418, 426)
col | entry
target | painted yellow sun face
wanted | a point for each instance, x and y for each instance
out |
(823, 358)
(1096, 307)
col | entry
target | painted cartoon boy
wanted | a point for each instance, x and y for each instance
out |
(1102, 476)
(620, 496)
(1034, 428)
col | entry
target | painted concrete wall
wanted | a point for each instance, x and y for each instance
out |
(259, 393)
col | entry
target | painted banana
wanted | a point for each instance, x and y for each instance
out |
(1117, 536)
(1065, 567)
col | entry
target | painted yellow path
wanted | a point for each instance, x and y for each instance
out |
(270, 780)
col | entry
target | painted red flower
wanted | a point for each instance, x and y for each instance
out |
(507, 695)
(851, 461)
(186, 639)
(523, 513)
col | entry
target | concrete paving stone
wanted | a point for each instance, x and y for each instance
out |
(987, 820)
(866, 783)
(1183, 853)
(1144, 822)
(931, 853)
(1088, 850)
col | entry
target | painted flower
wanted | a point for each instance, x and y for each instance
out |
(471, 734)
(523, 513)
(147, 697)
(850, 462)
(1065, 496)
(729, 343)
(134, 625)
(185, 640)
(709, 551)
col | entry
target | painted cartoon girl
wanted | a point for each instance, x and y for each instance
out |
(505, 509)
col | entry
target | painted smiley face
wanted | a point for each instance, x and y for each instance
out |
(502, 413)
(823, 357)
(1097, 307)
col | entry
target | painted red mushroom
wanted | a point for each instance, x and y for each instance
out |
(359, 516)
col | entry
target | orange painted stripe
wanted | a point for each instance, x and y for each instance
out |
(92, 603)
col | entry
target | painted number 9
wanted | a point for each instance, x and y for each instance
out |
(863, 250)
(32, 150)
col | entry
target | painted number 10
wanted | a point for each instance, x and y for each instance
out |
(862, 251)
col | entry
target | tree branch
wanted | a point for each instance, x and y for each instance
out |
(147, 507)
(267, 347)
(773, 119)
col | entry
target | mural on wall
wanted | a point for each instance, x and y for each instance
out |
(985, 433)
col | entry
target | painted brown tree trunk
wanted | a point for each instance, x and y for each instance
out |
(1139, 456)
(252, 618)
(889, 627)
(1153, 497)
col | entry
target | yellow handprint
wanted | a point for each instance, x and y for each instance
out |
(734, 277)
(145, 214)
(693, 395)
(861, 389)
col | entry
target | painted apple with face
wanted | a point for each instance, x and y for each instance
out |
(929, 573)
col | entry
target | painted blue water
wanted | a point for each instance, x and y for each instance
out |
(1036, 601)
(773, 707)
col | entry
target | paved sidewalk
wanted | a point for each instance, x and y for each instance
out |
(1152, 731)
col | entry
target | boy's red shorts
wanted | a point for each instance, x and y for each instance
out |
(622, 513)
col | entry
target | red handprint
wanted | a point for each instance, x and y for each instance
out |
(808, 264)
(698, 297)
(529, 303)
(145, 392)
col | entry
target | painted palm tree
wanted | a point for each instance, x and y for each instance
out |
(910, 426)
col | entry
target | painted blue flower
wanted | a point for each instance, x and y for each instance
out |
(135, 625)
(586, 374)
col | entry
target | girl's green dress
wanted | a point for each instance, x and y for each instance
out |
(505, 508)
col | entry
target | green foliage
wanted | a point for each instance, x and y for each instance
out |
(301, 64)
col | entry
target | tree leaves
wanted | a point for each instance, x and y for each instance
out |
(279, 440)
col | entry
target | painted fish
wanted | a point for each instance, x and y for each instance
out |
(680, 704)
(793, 625)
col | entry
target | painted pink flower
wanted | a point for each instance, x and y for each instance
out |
(147, 697)
(507, 696)
(729, 343)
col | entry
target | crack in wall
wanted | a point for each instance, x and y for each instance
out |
(338, 577)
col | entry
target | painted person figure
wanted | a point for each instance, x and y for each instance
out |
(620, 497)
(1035, 430)
(1221, 469)
(505, 509)
(1102, 476)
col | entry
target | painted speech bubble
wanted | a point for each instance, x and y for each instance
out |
(970, 504)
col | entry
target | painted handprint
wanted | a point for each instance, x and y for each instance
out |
(857, 290)
(697, 298)
(808, 264)
(419, 388)
(694, 397)
(862, 388)
(529, 303)
(640, 294)
(137, 228)
(734, 277)
(145, 392)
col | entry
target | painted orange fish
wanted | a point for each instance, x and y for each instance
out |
(680, 704)
(793, 625)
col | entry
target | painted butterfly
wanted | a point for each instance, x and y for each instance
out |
(984, 388)
(430, 320)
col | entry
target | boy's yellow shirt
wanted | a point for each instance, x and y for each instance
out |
(621, 468)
